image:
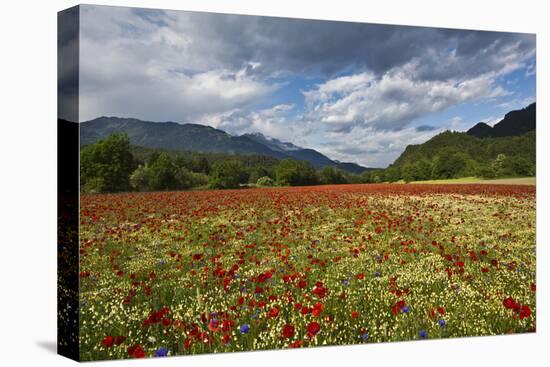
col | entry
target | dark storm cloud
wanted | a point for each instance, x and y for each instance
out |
(306, 46)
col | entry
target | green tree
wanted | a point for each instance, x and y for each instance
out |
(518, 166)
(139, 179)
(162, 173)
(153, 157)
(227, 174)
(306, 174)
(286, 172)
(499, 165)
(256, 173)
(449, 164)
(408, 172)
(392, 174)
(485, 171)
(106, 165)
(330, 176)
(290, 172)
(423, 170)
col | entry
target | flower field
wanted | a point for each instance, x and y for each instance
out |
(192, 272)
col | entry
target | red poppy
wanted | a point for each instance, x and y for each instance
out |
(317, 309)
(296, 344)
(226, 338)
(119, 339)
(313, 328)
(213, 325)
(319, 290)
(354, 314)
(136, 351)
(510, 303)
(187, 343)
(533, 287)
(524, 312)
(484, 270)
(274, 312)
(108, 341)
(397, 307)
(288, 331)
(197, 257)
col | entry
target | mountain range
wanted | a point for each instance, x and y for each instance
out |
(514, 123)
(202, 138)
(513, 136)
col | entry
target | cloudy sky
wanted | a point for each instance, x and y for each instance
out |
(355, 92)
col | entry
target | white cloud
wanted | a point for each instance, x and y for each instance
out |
(132, 67)
(273, 122)
(370, 147)
(393, 100)
(113, 84)
(517, 103)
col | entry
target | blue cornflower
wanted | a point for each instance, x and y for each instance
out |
(422, 334)
(405, 309)
(442, 322)
(365, 336)
(161, 262)
(377, 274)
(161, 352)
(345, 282)
(245, 328)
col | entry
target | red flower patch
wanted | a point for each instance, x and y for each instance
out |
(397, 307)
(274, 312)
(524, 312)
(288, 331)
(136, 351)
(313, 328)
(108, 341)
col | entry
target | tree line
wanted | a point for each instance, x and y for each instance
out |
(113, 165)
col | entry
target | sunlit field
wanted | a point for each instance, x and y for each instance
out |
(216, 271)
